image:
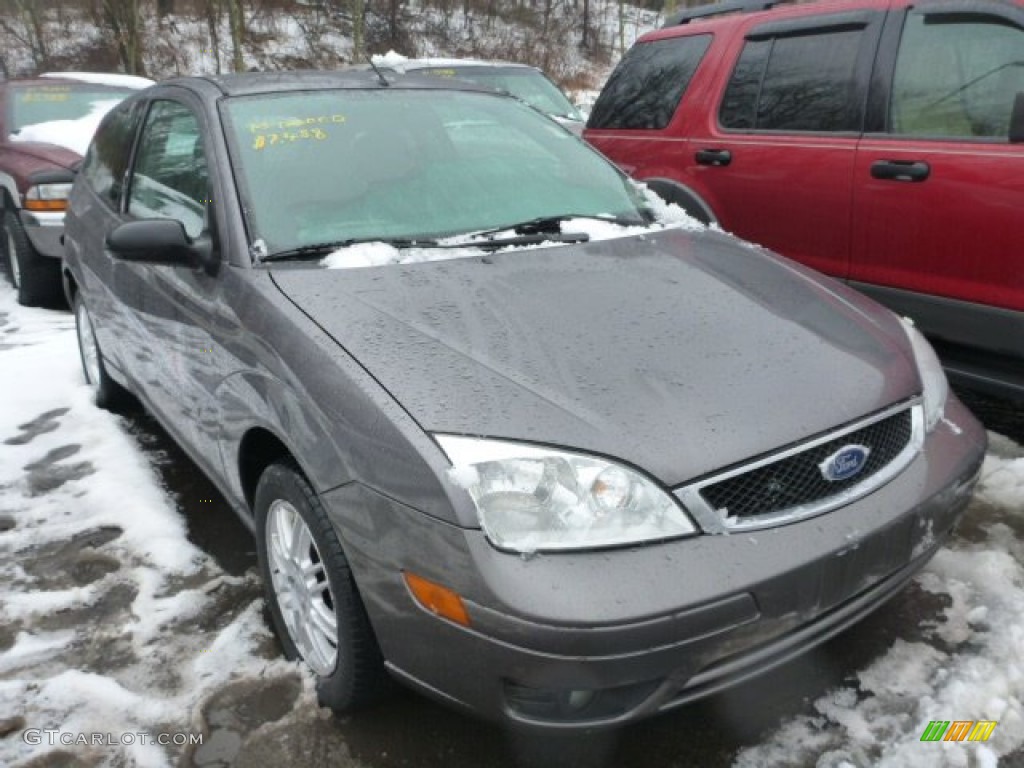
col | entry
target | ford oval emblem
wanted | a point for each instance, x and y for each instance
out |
(845, 463)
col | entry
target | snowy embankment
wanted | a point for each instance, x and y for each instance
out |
(113, 623)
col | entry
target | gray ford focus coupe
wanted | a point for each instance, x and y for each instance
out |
(505, 427)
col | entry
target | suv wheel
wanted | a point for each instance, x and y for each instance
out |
(313, 601)
(34, 277)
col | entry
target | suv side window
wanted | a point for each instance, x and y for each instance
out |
(107, 159)
(170, 179)
(800, 82)
(645, 89)
(956, 76)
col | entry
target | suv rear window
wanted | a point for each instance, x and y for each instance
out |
(801, 82)
(645, 89)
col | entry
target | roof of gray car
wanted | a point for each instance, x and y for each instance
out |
(304, 80)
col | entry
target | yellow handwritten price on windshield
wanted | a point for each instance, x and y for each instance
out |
(264, 126)
(264, 140)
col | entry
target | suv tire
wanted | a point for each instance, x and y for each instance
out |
(35, 278)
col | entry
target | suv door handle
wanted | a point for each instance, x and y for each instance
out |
(900, 170)
(718, 157)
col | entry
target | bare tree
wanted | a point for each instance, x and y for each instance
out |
(236, 20)
(25, 25)
(122, 18)
(358, 9)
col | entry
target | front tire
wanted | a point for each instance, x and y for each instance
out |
(35, 278)
(313, 600)
(107, 393)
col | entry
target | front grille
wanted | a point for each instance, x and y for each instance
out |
(796, 480)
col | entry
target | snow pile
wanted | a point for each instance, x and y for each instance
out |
(969, 667)
(72, 134)
(111, 621)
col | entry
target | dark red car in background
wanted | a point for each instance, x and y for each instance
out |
(45, 125)
(879, 142)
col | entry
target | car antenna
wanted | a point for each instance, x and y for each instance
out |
(380, 75)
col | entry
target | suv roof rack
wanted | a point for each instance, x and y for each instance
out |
(720, 9)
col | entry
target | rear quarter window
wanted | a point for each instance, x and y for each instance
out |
(107, 160)
(647, 86)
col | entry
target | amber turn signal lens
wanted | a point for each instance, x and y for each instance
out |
(46, 205)
(437, 599)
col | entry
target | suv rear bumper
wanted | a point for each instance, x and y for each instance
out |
(44, 230)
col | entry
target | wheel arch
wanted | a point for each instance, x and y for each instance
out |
(672, 191)
(257, 450)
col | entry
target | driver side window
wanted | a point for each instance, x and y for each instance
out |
(171, 179)
(956, 77)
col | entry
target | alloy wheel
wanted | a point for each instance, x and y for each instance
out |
(301, 587)
(87, 343)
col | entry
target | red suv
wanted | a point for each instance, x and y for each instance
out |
(45, 125)
(879, 142)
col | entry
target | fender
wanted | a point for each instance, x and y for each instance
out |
(672, 191)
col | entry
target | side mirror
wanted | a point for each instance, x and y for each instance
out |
(1017, 120)
(160, 241)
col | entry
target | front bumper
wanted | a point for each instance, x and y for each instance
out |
(604, 638)
(44, 230)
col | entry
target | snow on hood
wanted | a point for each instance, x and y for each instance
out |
(376, 254)
(71, 134)
(103, 78)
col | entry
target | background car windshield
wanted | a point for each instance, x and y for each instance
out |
(324, 166)
(35, 104)
(526, 84)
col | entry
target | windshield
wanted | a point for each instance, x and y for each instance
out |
(327, 166)
(44, 103)
(524, 83)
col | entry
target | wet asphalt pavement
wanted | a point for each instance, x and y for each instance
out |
(411, 731)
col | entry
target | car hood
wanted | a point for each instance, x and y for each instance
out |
(49, 153)
(679, 352)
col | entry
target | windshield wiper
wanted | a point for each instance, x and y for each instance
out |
(551, 225)
(317, 250)
(554, 223)
(488, 240)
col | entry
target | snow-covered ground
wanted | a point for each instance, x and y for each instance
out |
(113, 623)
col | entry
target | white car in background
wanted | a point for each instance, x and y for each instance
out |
(526, 83)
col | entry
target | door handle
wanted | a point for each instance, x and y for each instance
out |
(716, 157)
(900, 170)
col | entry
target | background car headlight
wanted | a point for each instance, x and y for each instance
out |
(47, 197)
(933, 378)
(530, 498)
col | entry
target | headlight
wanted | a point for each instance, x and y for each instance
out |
(531, 498)
(47, 197)
(933, 378)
